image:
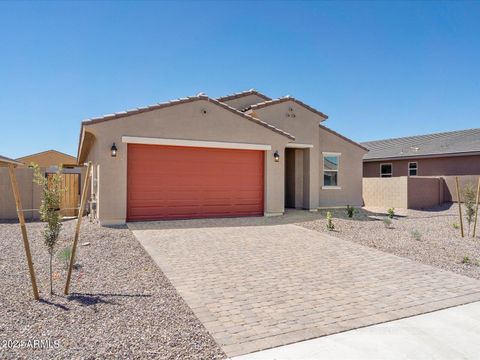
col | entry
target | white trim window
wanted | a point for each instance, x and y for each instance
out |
(331, 164)
(386, 170)
(413, 168)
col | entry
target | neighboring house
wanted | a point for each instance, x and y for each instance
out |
(440, 154)
(49, 158)
(5, 161)
(238, 155)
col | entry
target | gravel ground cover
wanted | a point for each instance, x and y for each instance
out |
(426, 236)
(121, 306)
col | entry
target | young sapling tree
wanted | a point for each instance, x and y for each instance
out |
(330, 225)
(469, 196)
(52, 190)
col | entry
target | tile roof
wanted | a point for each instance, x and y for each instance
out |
(242, 94)
(453, 142)
(284, 99)
(183, 101)
(44, 152)
(5, 161)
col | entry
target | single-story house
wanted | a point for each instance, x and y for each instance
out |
(48, 158)
(441, 154)
(239, 155)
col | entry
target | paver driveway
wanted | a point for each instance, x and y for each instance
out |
(255, 285)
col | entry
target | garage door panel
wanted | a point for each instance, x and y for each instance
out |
(207, 176)
(162, 213)
(194, 196)
(168, 182)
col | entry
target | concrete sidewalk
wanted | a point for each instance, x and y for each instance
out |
(452, 333)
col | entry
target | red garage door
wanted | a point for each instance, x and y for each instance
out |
(173, 182)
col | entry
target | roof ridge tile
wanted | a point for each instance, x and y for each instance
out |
(182, 101)
(242, 94)
(283, 99)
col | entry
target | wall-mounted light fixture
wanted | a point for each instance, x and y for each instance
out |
(113, 150)
(276, 156)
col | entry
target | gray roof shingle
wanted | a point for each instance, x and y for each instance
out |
(453, 142)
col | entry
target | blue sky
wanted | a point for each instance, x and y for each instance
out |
(378, 69)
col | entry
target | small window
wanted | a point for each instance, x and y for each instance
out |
(412, 168)
(330, 170)
(386, 170)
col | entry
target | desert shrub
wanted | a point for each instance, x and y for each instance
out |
(416, 235)
(456, 226)
(387, 222)
(350, 211)
(391, 212)
(52, 190)
(330, 225)
(64, 255)
(469, 197)
(466, 260)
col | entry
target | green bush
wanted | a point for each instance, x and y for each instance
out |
(416, 235)
(387, 222)
(350, 211)
(64, 255)
(391, 212)
(330, 225)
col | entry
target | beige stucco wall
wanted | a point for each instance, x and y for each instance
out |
(413, 192)
(386, 192)
(183, 121)
(304, 126)
(424, 192)
(350, 172)
(450, 186)
(29, 194)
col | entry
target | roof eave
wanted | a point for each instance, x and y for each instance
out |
(5, 161)
(344, 138)
(173, 103)
(43, 152)
(423, 156)
(285, 99)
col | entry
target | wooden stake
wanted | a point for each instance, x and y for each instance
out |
(459, 205)
(77, 230)
(21, 219)
(476, 208)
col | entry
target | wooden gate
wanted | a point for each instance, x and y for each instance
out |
(70, 199)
